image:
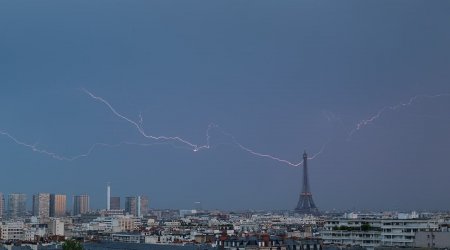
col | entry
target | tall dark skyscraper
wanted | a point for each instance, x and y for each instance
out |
(131, 205)
(305, 203)
(114, 203)
(80, 204)
(137, 205)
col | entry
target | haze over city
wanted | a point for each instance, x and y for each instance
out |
(364, 84)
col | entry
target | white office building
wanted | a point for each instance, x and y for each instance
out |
(12, 230)
(374, 232)
(401, 233)
(57, 227)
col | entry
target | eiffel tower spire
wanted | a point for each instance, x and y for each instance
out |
(305, 203)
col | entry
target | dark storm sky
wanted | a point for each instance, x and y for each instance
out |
(281, 76)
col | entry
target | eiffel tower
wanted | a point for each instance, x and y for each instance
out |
(305, 203)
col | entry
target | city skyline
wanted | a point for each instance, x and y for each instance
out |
(131, 102)
(57, 205)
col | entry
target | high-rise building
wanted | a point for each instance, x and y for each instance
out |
(143, 205)
(131, 205)
(115, 203)
(41, 205)
(305, 203)
(80, 204)
(137, 205)
(17, 205)
(2, 205)
(58, 203)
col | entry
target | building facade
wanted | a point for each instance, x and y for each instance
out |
(371, 233)
(12, 230)
(143, 205)
(57, 227)
(2, 205)
(80, 204)
(131, 205)
(352, 232)
(17, 205)
(401, 232)
(431, 239)
(58, 205)
(137, 205)
(115, 203)
(41, 205)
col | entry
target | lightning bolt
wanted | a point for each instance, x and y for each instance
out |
(185, 144)
(195, 147)
(141, 120)
(120, 144)
(35, 148)
(269, 156)
(363, 123)
(320, 151)
(141, 130)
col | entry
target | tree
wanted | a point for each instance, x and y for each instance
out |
(72, 245)
(365, 227)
